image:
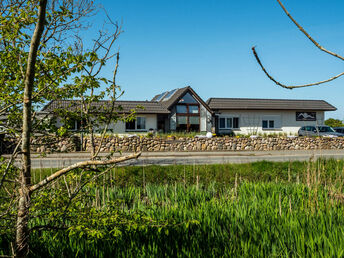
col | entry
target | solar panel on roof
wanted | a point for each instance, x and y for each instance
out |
(169, 95)
(161, 96)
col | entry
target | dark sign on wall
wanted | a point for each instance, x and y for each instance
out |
(306, 116)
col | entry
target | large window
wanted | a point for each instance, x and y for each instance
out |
(188, 114)
(228, 122)
(187, 98)
(139, 124)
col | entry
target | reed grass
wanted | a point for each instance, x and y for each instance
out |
(261, 209)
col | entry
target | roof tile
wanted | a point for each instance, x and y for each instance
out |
(149, 107)
(268, 104)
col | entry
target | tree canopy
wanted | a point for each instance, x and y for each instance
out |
(334, 122)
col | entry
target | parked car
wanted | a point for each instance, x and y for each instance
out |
(322, 130)
(339, 129)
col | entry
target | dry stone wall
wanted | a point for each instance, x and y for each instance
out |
(43, 144)
(218, 144)
(155, 144)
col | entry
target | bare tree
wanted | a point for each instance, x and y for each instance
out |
(314, 42)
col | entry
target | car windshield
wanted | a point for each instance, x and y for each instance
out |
(325, 129)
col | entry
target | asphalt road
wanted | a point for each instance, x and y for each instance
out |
(168, 158)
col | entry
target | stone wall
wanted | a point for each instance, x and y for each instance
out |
(218, 144)
(129, 144)
(43, 144)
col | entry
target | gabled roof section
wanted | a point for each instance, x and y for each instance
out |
(172, 97)
(123, 106)
(269, 104)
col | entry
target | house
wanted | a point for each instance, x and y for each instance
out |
(187, 111)
(176, 110)
(259, 116)
(183, 110)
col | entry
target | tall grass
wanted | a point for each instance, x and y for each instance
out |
(262, 171)
(260, 209)
(254, 219)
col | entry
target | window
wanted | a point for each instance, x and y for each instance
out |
(193, 109)
(141, 123)
(182, 109)
(169, 95)
(182, 123)
(235, 122)
(130, 125)
(194, 123)
(75, 124)
(161, 96)
(222, 123)
(138, 124)
(188, 114)
(187, 98)
(271, 122)
(228, 122)
(268, 124)
(310, 128)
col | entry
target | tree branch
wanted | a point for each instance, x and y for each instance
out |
(291, 86)
(81, 165)
(314, 42)
(307, 35)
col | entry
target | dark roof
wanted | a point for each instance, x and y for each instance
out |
(178, 94)
(123, 106)
(269, 104)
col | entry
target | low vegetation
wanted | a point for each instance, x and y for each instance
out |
(258, 209)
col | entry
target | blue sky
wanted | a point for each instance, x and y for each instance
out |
(206, 44)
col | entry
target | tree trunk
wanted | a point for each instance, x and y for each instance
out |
(22, 233)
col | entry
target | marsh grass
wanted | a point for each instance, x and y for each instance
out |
(262, 209)
(224, 174)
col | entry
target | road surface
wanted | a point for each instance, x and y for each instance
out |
(167, 158)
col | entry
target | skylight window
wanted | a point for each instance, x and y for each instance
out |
(170, 94)
(161, 96)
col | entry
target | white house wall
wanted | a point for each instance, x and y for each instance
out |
(119, 127)
(205, 117)
(250, 122)
(151, 123)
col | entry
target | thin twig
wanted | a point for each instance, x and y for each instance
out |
(307, 35)
(314, 42)
(291, 86)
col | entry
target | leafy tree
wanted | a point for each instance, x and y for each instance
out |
(41, 59)
(334, 122)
